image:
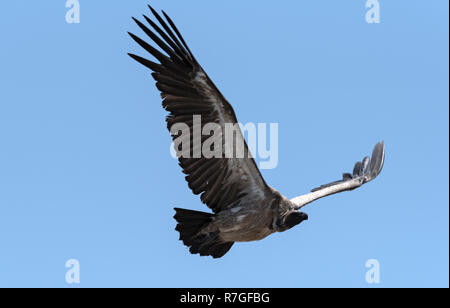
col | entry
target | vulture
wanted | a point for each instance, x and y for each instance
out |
(245, 208)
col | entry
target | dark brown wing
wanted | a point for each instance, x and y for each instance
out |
(187, 91)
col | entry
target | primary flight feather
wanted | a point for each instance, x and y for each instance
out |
(244, 207)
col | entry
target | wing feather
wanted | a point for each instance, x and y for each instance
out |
(363, 172)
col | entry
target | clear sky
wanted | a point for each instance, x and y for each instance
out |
(85, 169)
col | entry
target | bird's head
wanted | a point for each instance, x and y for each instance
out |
(290, 220)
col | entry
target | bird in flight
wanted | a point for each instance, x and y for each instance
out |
(245, 208)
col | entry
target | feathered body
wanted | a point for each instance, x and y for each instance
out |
(244, 207)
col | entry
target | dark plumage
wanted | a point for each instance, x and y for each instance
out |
(245, 208)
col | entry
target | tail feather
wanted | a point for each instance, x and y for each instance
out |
(190, 223)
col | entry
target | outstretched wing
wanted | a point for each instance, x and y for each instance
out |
(363, 172)
(223, 181)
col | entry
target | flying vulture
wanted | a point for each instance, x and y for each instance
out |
(245, 208)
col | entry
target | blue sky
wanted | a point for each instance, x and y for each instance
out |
(85, 170)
